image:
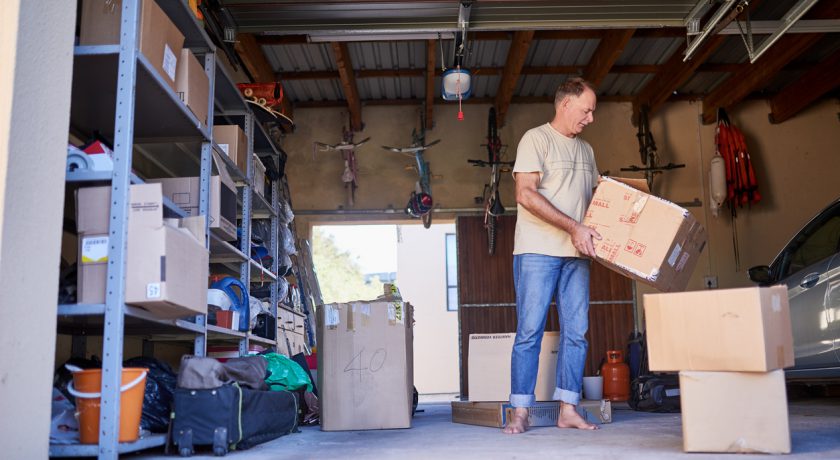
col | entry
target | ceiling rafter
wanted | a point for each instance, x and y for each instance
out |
(510, 75)
(348, 83)
(751, 76)
(608, 51)
(430, 83)
(252, 56)
(821, 79)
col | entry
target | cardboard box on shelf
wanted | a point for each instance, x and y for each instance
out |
(259, 176)
(742, 412)
(365, 365)
(644, 237)
(488, 366)
(166, 261)
(192, 85)
(160, 40)
(231, 139)
(496, 414)
(185, 192)
(745, 329)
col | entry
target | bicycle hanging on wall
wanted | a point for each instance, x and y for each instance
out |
(420, 201)
(348, 154)
(648, 153)
(490, 196)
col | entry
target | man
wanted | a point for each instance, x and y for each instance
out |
(555, 175)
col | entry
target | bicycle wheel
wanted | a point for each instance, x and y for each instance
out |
(492, 137)
(427, 219)
(491, 234)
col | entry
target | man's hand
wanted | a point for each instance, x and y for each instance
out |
(582, 239)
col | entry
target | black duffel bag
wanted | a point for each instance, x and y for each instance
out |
(655, 393)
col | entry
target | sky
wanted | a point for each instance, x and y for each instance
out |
(374, 246)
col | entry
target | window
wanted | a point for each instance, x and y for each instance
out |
(817, 241)
(451, 273)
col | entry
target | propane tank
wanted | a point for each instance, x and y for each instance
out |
(616, 375)
(717, 183)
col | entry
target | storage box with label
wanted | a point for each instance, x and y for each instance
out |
(192, 85)
(496, 414)
(231, 139)
(365, 365)
(745, 329)
(166, 262)
(185, 192)
(160, 40)
(488, 366)
(644, 237)
(742, 412)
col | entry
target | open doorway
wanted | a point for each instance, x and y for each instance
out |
(352, 262)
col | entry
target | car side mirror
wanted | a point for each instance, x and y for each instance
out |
(760, 274)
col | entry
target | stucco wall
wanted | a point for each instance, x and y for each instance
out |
(796, 163)
(421, 272)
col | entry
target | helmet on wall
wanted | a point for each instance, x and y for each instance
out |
(418, 204)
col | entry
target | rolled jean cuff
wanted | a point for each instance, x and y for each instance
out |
(568, 397)
(522, 400)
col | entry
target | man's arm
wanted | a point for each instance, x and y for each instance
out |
(528, 196)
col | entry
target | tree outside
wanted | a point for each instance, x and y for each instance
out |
(339, 273)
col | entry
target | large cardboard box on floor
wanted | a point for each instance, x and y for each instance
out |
(365, 365)
(496, 414)
(185, 192)
(642, 236)
(734, 412)
(745, 329)
(160, 40)
(166, 264)
(231, 139)
(192, 85)
(488, 367)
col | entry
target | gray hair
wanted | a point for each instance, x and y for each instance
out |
(574, 86)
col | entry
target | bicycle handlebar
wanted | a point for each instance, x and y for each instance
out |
(488, 163)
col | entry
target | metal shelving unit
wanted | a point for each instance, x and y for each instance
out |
(117, 92)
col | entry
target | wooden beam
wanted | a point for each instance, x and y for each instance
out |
(348, 83)
(821, 79)
(481, 100)
(282, 39)
(609, 50)
(751, 76)
(252, 56)
(431, 51)
(515, 59)
(673, 74)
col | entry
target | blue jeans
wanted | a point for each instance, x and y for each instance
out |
(538, 279)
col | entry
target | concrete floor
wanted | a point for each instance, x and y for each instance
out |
(814, 424)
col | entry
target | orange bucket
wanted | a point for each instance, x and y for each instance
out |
(86, 389)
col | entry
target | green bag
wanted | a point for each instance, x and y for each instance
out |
(285, 374)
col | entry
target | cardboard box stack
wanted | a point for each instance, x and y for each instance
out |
(730, 347)
(166, 264)
(644, 237)
(365, 364)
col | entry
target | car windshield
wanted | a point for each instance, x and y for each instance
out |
(817, 241)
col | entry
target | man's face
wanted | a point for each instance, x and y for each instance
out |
(578, 111)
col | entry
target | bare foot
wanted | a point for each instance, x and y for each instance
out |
(569, 418)
(518, 423)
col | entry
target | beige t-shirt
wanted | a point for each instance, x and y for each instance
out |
(567, 176)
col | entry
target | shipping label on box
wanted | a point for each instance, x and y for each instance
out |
(94, 249)
(746, 329)
(643, 236)
(488, 366)
(743, 412)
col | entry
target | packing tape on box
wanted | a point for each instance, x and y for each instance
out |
(365, 313)
(395, 313)
(776, 303)
(351, 316)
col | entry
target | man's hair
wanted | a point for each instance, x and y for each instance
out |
(574, 86)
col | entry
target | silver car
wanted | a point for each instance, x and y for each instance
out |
(810, 267)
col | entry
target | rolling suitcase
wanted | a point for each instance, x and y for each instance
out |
(230, 417)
